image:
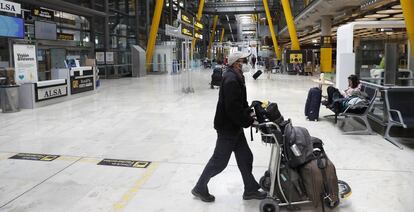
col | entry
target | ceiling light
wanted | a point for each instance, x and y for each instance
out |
(391, 19)
(377, 16)
(399, 16)
(314, 41)
(389, 11)
(396, 6)
(365, 19)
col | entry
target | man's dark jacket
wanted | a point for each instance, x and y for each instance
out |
(232, 112)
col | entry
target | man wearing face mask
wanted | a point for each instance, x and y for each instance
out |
(232, 115)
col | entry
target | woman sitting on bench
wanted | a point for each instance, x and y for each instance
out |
(337, 99)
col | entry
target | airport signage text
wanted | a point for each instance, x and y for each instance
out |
(81, 84)
(198, 25)
(186, 17)
(44, 13)
(186, 31)
(50, 92)
(65, 36)
(10, 7)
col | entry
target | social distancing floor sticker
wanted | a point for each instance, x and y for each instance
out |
(31, 156)
(125, 163)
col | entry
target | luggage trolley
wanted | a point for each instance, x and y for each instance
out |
(272, 134)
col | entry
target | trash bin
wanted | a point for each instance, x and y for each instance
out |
(9, 98)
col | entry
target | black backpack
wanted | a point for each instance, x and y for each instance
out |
(298, 145)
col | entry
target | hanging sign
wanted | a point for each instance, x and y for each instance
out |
(186, 31)
(10, 7)
(198, 25)
(185, 17)
(25, 63)
(326, 41)
(198, 35)
(295, 58)
(44, 13)
(65, 36)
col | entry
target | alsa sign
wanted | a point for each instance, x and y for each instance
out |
(51, 92)
(10, 7)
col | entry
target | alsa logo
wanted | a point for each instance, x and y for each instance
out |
(8, 7)
(52, 93)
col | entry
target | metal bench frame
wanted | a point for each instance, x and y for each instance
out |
(391, 122)
(363, 116)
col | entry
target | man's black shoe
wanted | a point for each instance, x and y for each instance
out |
(254, 195)
(204, 196)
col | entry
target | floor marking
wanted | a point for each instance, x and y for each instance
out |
(38, 157)
(125, 163)
(118, 206)
(40, 183)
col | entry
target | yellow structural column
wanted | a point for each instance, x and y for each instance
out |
(272, 31)
(408, 11)
(291, 25)
(326, 44)
(154, 30)
(213, 32)
(198, 18)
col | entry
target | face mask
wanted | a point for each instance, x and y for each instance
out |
(245, 68)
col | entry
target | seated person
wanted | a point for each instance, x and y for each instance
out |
(338, 100)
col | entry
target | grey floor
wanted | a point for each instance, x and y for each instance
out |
(150, 119)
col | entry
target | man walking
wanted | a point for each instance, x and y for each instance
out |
(232, 115)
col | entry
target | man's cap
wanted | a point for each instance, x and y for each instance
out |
(233, 57)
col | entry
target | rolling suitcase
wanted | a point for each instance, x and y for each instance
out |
(320, 181)
(313, 104)
(257, 74)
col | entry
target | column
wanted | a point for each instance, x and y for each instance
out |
(106, 32)
(326, 44)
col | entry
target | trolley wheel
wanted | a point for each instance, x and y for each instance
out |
(269, 205)
(344, 189)
(265, 183)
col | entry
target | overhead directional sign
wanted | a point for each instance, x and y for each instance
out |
(198, 35)
(177, 32)
(198, 25)
(186, 17)
(186, 31)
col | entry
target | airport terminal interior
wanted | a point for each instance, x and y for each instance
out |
(110, 105)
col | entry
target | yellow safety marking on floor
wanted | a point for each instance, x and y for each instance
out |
(4, 157)
(118, 206)
(90, 160)
(67, 158)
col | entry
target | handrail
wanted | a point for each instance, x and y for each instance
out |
(385, 87)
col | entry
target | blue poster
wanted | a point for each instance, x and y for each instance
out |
(11, 27)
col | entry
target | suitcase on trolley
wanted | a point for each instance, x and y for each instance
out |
(313, 104)
(257, 74)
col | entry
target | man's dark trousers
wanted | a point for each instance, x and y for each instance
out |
(228, 142)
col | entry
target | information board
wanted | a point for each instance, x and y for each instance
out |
(25, 63)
